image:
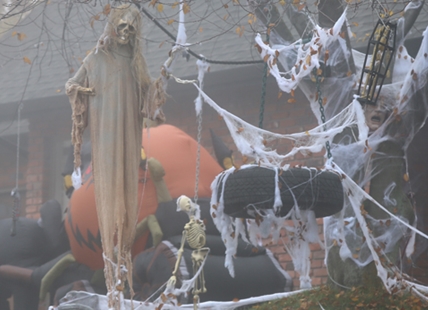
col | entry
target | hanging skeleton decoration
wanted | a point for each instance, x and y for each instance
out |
(194, 235)
(114, 84)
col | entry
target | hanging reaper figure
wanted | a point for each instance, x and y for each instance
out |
(113, 86)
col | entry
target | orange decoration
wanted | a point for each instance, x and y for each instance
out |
(176, 151)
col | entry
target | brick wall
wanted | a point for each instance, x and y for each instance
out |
(43, 128)
(8, 155)
(35, 172)
(318, 272)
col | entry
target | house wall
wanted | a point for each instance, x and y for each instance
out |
(8, 173)
(48, 130)
(241, 98)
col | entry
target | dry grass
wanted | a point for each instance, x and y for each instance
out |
(354, 299)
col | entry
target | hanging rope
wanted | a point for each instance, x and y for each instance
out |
(202, 68)
(198, 157)
(321, 104)
(265, 72)
(15, 192)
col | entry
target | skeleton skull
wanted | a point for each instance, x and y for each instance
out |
(184, 204)
(125, 29)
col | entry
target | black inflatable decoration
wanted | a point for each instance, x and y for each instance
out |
(256, 270)
(35, 243)
(251, 190)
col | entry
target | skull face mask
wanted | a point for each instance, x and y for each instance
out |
(125, 29)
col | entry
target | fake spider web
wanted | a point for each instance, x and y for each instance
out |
(361, 237)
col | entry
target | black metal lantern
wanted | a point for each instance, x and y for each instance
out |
(381, 46)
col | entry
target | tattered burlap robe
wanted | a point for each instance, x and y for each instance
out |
(116, 126)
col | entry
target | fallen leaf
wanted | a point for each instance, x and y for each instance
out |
(240, 31)
(27, 60)
(265, 59)
(159, 307)
(21, 36)
(186, 8)
(326, 56)
(107, 9)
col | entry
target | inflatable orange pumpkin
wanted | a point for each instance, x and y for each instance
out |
(176, 151)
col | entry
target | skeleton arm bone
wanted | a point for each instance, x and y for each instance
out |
(173, 279)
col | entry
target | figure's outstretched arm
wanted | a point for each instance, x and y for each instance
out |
(77, 83)
(76, 89)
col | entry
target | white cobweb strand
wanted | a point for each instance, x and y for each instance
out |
(307, 55)
(388, 273)
(303, 231)
(181, 32)
(251, 141)
(203, 67)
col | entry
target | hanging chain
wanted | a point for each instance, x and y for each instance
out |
(198, 156)
(321, 103)
(265, 71)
